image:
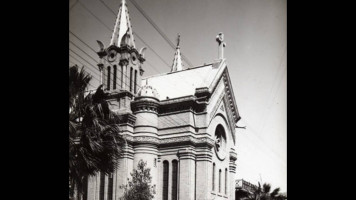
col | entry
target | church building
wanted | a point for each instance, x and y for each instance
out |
(182, 123)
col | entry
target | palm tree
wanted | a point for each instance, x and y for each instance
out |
(264, 193)
(94, 140)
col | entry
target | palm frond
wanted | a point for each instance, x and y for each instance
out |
(275, 192)
(94, 141)
(266, 188)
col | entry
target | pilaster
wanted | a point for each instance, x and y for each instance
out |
(203, 176)
(123, 172)
(92, 187)
(232, 172)
(187, 174)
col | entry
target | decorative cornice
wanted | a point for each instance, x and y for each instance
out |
(144, 104)
(231, 97)
(182, 140)
(117, 94)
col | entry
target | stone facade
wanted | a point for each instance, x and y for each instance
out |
(194, 126)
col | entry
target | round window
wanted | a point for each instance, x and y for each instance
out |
(220, 142)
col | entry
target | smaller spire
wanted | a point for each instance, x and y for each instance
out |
(177, 61)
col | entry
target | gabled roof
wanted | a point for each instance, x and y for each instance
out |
(186, 82)
(182, 83)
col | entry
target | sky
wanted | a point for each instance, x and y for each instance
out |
(255, 32)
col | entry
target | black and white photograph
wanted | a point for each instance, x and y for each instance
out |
(177, 99)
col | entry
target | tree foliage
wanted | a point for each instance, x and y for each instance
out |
(139, 188)
(262, 193)
(94, 140)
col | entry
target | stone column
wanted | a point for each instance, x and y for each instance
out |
(158, 195)
(123, 171)
(145, 134)
(104, 73)
(92, 187)
(187, 174)
(148, 153)
(106, 187)
(204, 175)
(124, 62)
(124, 86)
(232, 172)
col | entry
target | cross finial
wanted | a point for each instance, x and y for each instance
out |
(222, 44)
(220, 38)
(178, 40)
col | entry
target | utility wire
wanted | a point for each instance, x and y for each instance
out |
(84, 51)
(159, 30)
(73, 5)
(96, 52)
(117, 84)
(110, 30)
(168, 118)
(94, 59)
(133, 32)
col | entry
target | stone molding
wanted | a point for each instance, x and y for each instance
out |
(187, 153)
(144, 104)
(119, 93)
(127, 152)
(120, 50)
(204, 141)
(233, 155)
(206, 156)
(232, 167)
(127, 118)
(146, 149)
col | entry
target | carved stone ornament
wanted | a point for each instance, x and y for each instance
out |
(220, 142)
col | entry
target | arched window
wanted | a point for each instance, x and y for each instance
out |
(122, 77)
(213, 176)
(219, 180)
(165, 180)
(135, 83)
(225, 180)
(131, 79)
(108, 83)
(111, 187)
(174, 179)
(114, 78)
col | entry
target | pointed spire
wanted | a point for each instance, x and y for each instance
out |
(177, 62)
(122, 27)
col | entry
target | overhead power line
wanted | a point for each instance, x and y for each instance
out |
(169, 118)
(94, 59)
(99, 20)
(138, 36)
(159, 31)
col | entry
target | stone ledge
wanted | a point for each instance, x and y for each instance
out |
(205, 141)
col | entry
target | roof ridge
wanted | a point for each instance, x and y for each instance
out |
(167, 73)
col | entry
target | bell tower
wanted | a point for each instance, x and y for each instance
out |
(121, 63)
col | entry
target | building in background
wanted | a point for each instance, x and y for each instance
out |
(242, 188)
(182, 123)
